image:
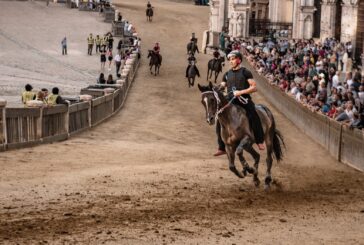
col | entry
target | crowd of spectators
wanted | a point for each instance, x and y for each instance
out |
(318, 75)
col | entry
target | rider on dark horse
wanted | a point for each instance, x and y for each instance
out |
(156, 50)
(216, 55)
(149, 5)
(191, 59)
(240, 84)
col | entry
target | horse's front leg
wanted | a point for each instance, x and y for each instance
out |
(210, 74)
(150, 69)
(216, 75)
(249, 148)
(231, 156)
(239, 151)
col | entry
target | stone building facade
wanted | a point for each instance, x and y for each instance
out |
(342, 19)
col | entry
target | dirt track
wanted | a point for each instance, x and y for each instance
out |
(146, 176)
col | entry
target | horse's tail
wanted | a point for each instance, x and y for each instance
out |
(277, 144)
(278, 140)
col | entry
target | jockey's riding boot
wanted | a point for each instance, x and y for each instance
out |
(219, 153)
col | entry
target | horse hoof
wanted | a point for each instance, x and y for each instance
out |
(266, 187)
(256, 182)
(268, 180)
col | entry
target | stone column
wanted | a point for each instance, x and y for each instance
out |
(303, 19)
(214, 24)
(328, 19)
(221, 14)
(240, 19)
(349, 20)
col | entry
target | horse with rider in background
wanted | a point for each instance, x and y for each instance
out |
(192, 47)
(192, 70)
(149, 12)
(215, 65)
(155, 60)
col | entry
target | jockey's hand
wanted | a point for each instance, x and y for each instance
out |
(237, 93)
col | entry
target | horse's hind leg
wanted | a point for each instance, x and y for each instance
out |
(269, 161)
(231, 156)
(256, 157)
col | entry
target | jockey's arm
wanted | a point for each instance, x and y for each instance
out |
(252, 88)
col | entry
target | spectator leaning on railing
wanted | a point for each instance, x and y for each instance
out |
(54, 98)
(28, 94)
(311, 72)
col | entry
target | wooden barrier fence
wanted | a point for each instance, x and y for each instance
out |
(21, 127)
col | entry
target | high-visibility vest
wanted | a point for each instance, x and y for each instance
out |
(105, 40)
(27, 95)
(90, 40)
(52, 98)
(98, 40)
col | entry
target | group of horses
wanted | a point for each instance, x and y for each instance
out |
(214, 66)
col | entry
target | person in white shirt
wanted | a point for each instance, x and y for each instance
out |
(117, 60)
(349, 79)
(335, 79)
(130, 28)
(126, 26)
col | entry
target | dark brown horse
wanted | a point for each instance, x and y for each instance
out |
(214, 66)
(155, 60)
(237, 135)
(192, 48)
(191, 74)
(149, 13)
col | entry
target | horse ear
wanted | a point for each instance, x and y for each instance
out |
(210, 85)
(199, 87)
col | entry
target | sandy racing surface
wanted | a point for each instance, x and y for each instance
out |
(147, 175)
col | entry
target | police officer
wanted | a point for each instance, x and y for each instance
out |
(98, 43)
(240, 84)
(104, 42)
(90, 42)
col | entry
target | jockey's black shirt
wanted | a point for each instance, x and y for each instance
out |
(238, 80)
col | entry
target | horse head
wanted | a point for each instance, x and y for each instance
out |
(210, 100)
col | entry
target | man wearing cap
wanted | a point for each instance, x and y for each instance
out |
(240, 84)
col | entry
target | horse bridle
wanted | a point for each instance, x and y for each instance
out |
(218, 101)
